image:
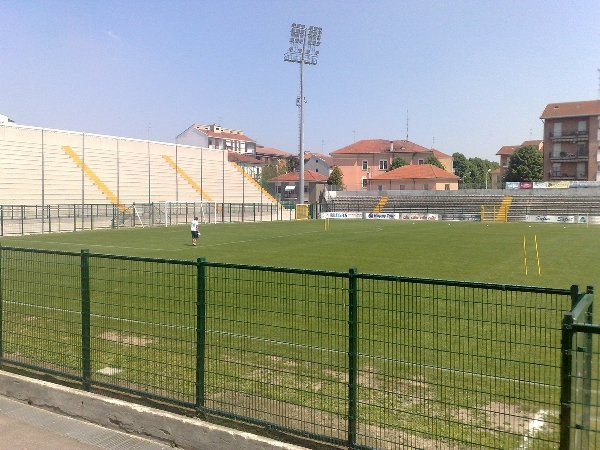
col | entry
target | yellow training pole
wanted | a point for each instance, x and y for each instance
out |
(537, 255)
(525, 254)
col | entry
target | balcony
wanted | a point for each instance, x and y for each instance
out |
(569, 157)
(569, 136)
(566, 176)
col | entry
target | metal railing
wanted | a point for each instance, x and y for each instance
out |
(358, 360)
(579, 399)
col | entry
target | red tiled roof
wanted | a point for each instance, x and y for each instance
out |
(421, 171)
(380, 146)
(271, 151)
(224, 135)
(534, 142)
(232, 156)
(571, 109)
(510, 149)
(507, 150)
(439, 154)
(309, 175)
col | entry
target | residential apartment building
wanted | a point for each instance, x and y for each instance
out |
(571, 138)
(216, 136)
(506, 153)
(367, 159)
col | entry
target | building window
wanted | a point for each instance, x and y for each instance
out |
(446, 187)
(305, 189)
(556, 148)
(364, 165)
(402, 187)
(421, 162)
(581, 149)
(425, 187)
(278, 189)
(364, 182)
(581, 127)
(380, 187)
(556, 169)
(383, 164)
(557, 130)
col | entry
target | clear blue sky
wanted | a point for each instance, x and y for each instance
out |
(474, 75)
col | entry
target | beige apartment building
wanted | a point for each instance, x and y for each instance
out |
(571, 136)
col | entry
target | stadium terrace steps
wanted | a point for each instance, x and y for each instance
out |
(470, 203)
(380, 205)
(36, 169)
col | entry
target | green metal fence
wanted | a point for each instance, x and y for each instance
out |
(358, 360)
(580, 402)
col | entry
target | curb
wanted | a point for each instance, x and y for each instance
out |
(180, 431)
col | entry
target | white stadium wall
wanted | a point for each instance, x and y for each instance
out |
(43, 166)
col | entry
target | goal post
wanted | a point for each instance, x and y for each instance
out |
(179, 212)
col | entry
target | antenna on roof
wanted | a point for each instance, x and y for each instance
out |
(598, 83)
(433, 143)
(407, 125)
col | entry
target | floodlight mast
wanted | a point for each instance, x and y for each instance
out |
(302, 50)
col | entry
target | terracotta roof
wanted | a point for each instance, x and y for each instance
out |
(380, 146)
(510, 149)
(571, 109)
(507, 150)
(421, 171)
(439, 154)
(534, 142)
(232, 156)
(238, 135)
(271, 151)
(309, 175)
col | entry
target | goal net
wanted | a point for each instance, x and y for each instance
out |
(179, 212)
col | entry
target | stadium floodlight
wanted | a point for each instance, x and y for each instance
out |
(303, 43)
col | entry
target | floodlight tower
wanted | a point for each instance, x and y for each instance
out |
(302, 50)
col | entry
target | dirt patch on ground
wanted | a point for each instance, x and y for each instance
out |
(127, 340)
(507, 417)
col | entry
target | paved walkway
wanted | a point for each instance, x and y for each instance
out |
(24, 427)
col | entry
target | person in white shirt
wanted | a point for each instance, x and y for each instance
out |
(194, 230)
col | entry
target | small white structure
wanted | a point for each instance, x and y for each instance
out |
(215, 136)
(5, 119)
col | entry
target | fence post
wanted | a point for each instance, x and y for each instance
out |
(200, 330)
(85, 319)
(566, 343)
(587, 375)
(1, 318)
(352, 355)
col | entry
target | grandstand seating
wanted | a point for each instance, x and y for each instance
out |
(42, 166)
(548, 201)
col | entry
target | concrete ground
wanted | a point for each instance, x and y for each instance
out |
(36, 414)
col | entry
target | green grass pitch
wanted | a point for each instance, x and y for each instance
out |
(469, 251)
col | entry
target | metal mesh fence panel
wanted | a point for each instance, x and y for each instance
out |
(448, 366)
(41, 310)
(365, 361)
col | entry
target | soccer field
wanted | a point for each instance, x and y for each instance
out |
(437, 363)
(469, 251)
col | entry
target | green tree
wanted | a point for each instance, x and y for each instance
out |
(398, 161)
(432, 159)
(269, 171)
(526, 164)
(292, 164)
(336, 178)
